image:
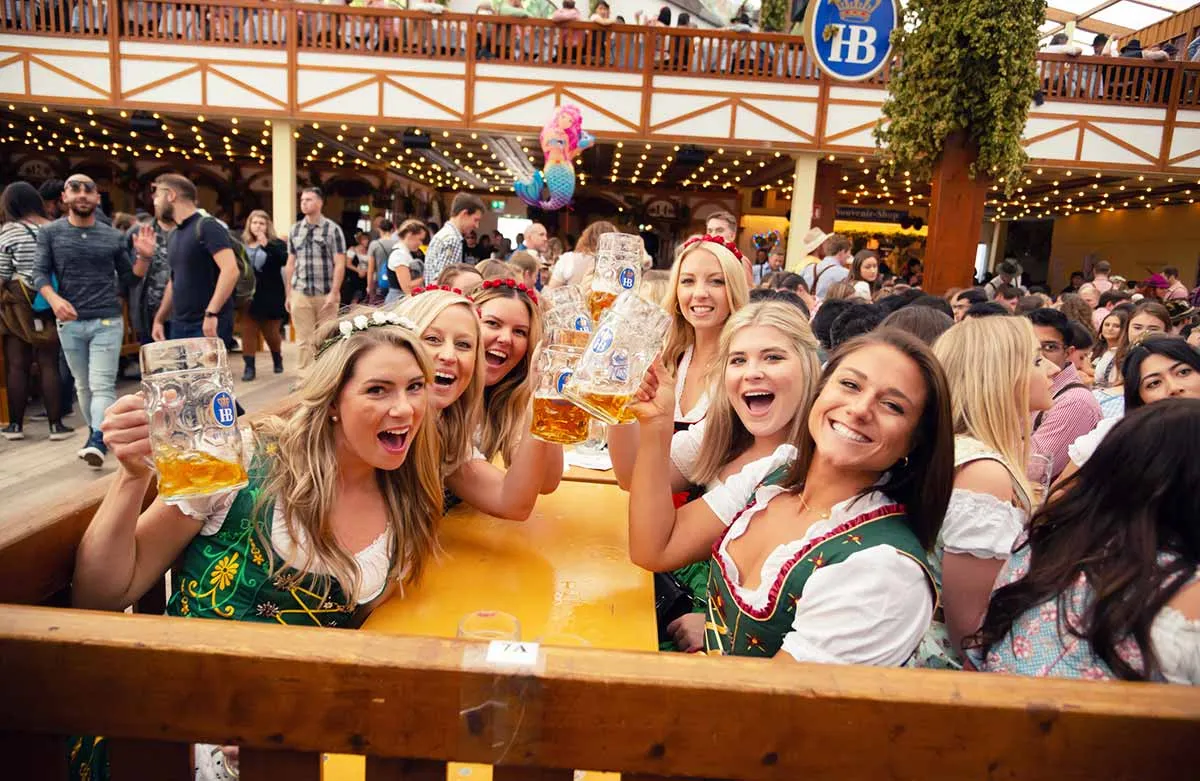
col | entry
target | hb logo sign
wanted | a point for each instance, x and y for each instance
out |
(224, 410)
(851, 39)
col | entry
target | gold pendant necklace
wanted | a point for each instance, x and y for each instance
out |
(809, 509)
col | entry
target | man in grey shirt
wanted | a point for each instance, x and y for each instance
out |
(81, 265)
(379, 250)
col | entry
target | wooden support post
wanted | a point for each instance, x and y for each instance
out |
(955, 217)
(130, 758)
(382, 769)
(267, 765)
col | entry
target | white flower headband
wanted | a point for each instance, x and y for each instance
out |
(346, 328)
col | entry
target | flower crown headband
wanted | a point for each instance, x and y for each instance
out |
(457, 291)
(491, 284)
(347, 327)
(729, 245)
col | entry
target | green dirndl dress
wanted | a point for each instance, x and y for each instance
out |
(227, 576)
(736, 629)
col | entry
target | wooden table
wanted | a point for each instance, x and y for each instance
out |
(578, 474)
(566, 570)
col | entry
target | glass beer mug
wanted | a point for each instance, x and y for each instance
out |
(555, 419)
(617, 357)
(566, 319)
(618, 269)
(193, 418)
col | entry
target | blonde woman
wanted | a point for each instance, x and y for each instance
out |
(707, 284)
(268, 254)
(451, 335)
(340, 511)
(998, 380)
(768, 356)
(493, 269)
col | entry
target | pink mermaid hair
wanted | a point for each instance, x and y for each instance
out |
(573, 128)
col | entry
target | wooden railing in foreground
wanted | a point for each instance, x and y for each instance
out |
(283, 694)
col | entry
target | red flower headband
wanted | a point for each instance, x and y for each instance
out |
(729, 245)
(457, 291)
(489, 284)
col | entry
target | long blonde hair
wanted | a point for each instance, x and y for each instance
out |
(681, 335)
(507, 401)
(988, 363)
(725, 436)
(302, 470)
(248, 237)
(458, 421)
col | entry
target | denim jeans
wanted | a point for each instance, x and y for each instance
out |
(92, 349)
(194, 329)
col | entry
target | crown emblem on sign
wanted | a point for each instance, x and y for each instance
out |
(855, 10)
(224, 401)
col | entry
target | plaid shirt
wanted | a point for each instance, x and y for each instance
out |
(314, 246)
(1074, 413)
(446, 249)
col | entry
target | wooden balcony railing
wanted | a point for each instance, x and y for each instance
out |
(541, 43)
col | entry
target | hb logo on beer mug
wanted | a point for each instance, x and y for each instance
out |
(196, 443)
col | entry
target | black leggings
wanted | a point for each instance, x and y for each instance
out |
(19, 355)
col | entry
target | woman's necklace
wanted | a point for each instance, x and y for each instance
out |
(817, 516)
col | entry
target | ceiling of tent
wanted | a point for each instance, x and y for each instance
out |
(1116, 18)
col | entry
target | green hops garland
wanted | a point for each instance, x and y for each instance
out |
(963, 66)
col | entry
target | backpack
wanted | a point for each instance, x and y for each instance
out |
(244, 291)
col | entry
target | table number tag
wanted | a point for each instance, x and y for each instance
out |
(513, 654)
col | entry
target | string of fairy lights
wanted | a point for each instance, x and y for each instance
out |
(455, 160)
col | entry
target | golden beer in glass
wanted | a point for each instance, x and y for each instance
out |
(622, 348)
(196, 444)
(618, 269)
(555, 419)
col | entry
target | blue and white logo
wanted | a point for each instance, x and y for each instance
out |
(583, 324)
(224, 409)
(563, 376)
(851, 39)
(603, 339)
(618, 366)
(627, 278)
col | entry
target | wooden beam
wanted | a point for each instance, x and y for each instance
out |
(81, 672)
(956, 205)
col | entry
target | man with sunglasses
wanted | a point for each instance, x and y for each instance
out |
(80, 268)
(1075, 411)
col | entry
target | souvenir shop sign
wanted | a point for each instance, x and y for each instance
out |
(866, 214)
(851, 40)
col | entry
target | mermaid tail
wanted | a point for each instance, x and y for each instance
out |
(558, 179)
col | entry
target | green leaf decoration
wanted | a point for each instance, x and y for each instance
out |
(961, 67)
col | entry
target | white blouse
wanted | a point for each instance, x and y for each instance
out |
(872, 608)
(701, 409)
(726, 498)
(1176, 641)
(980, 524)
(1082, 448)
(373, 561)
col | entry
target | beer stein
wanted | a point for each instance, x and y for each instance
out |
(621, 349)
(618, 269)
(555, 419)
(194, 436)
(566, 319)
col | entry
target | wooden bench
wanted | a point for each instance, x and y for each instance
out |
(285, 695)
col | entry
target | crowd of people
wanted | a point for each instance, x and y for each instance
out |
(832, 466)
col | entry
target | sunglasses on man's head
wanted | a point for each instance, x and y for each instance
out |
(77, 185)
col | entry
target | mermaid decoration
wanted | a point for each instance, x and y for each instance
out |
(562, 138)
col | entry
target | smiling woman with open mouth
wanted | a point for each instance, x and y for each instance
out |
(465, 366)
(825, 561)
